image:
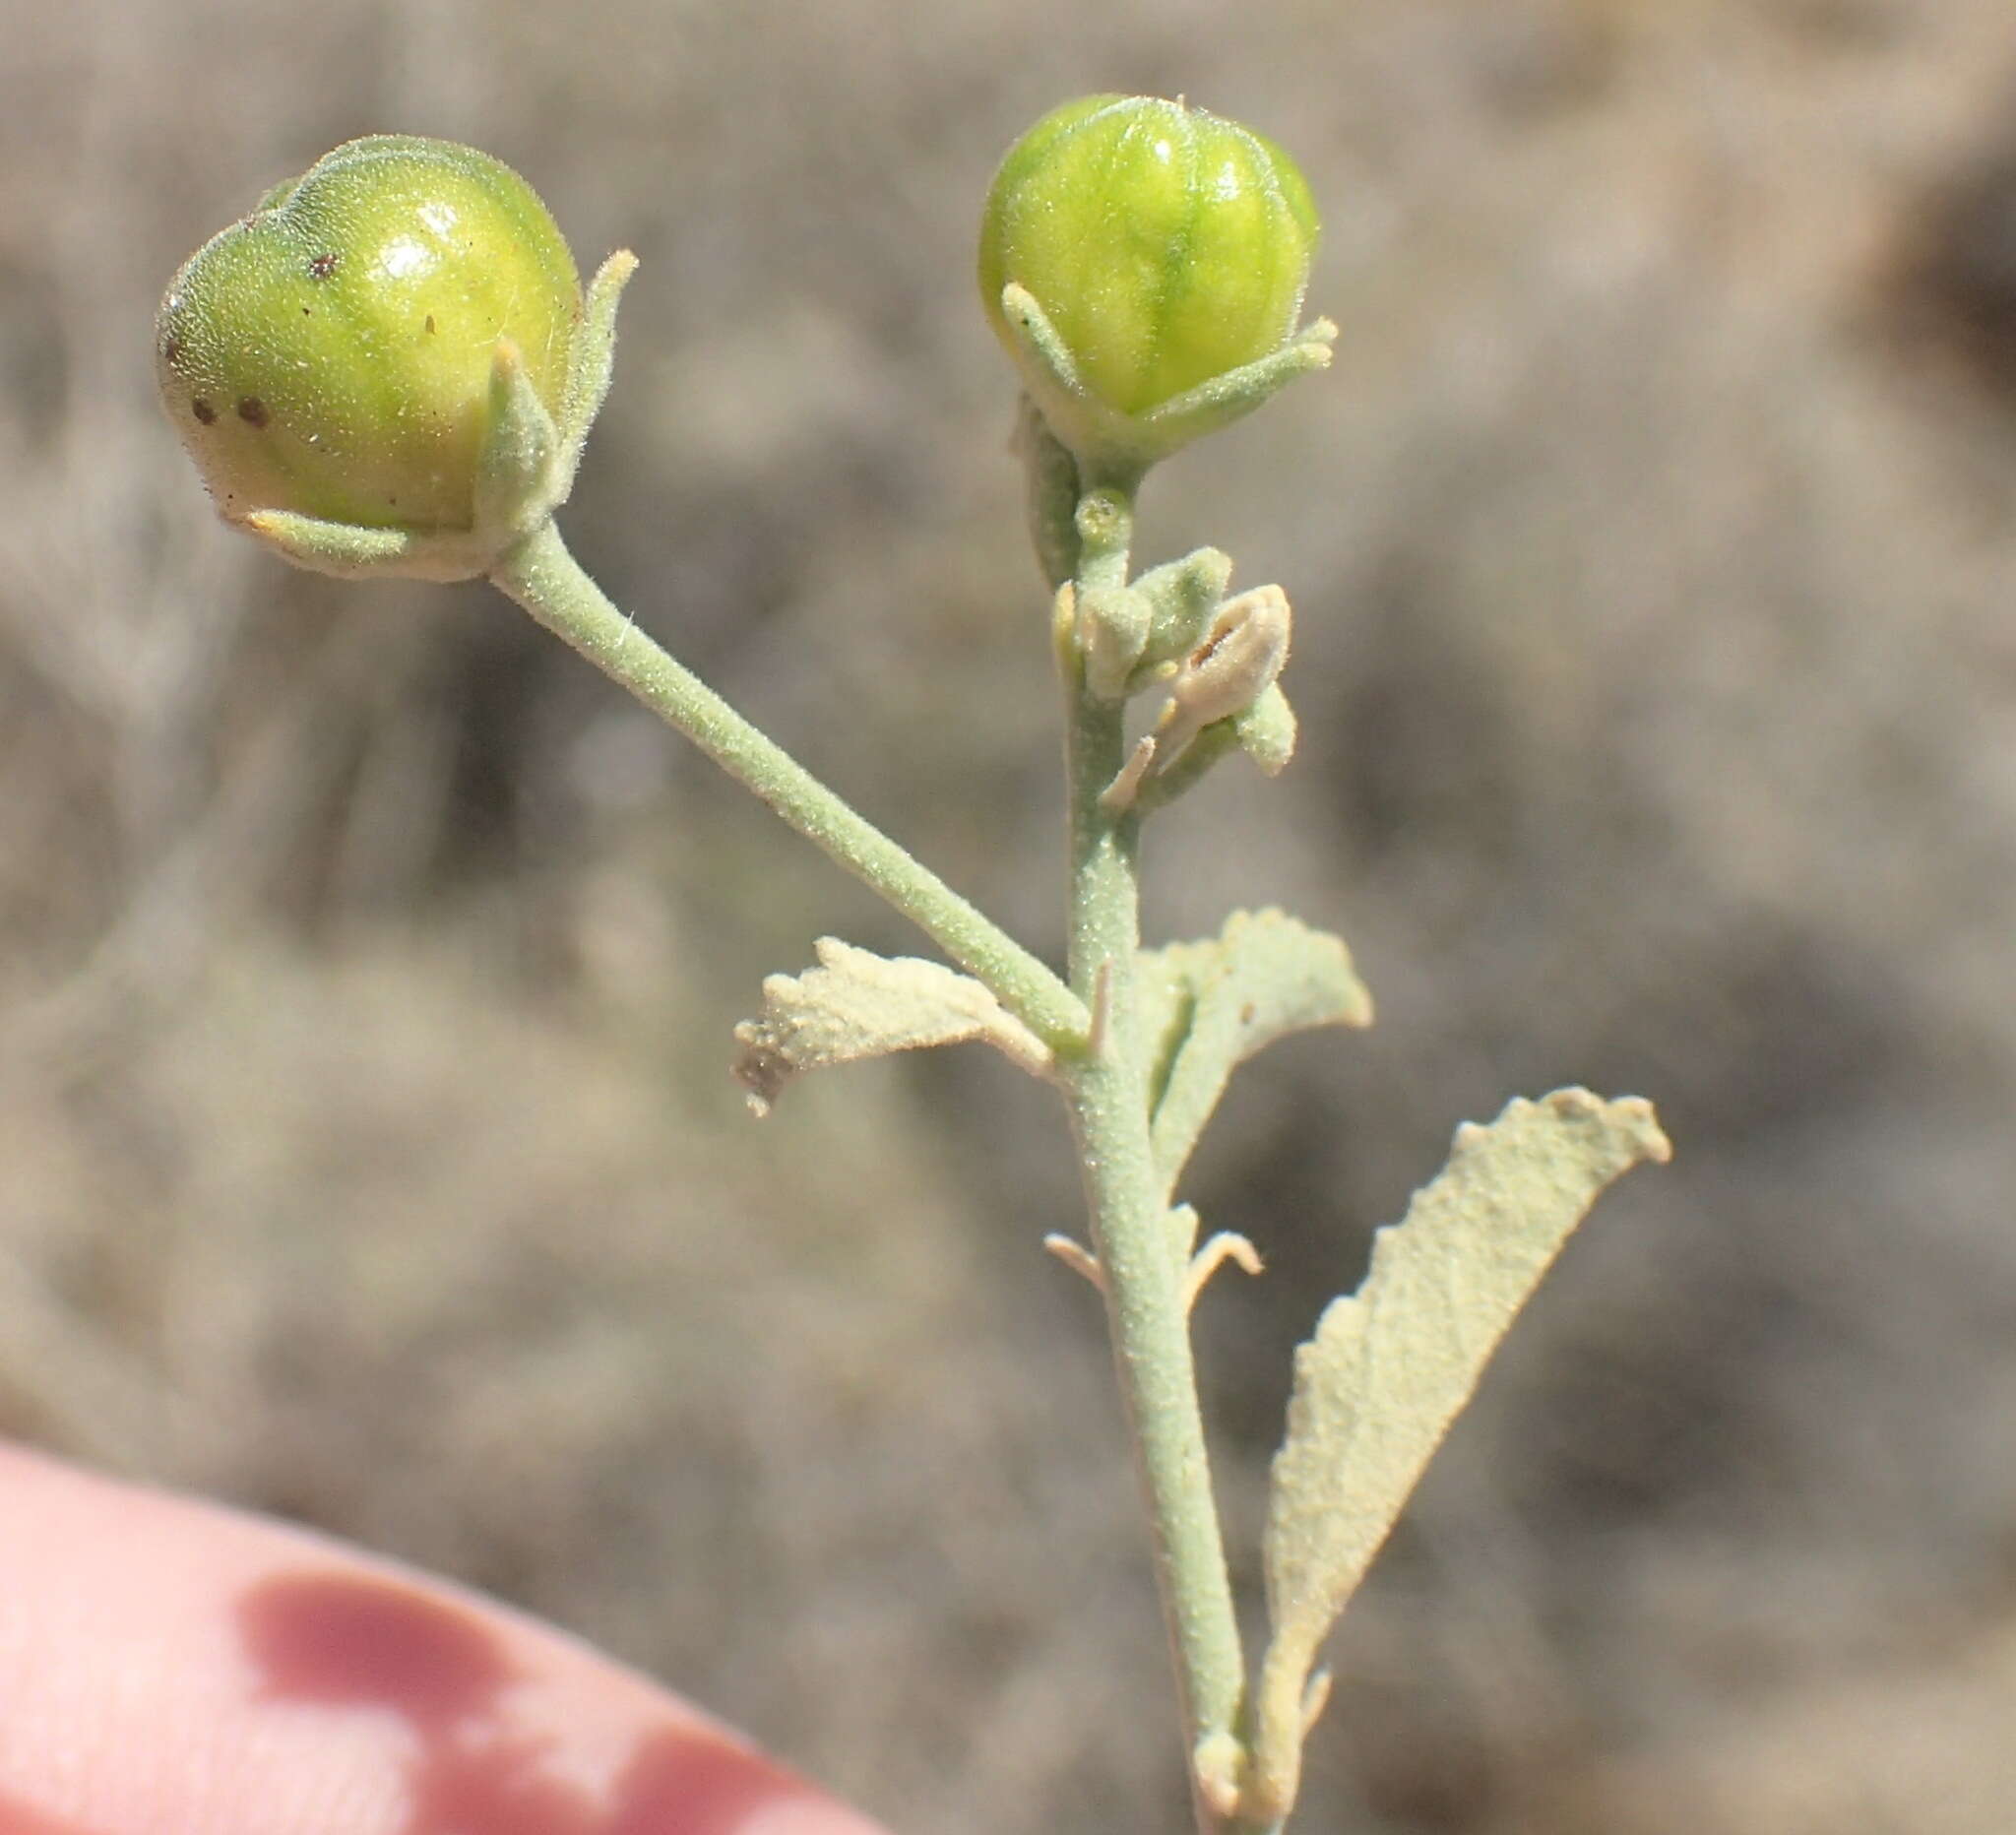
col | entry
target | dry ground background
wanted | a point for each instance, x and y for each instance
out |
(366, 969)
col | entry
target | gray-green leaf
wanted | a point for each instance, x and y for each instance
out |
(1205, 1007)
(857, 1004)
(1390, 1367)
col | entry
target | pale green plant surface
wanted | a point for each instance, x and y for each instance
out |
(1390, 1367)
(1209, 1006)
(858, 1005)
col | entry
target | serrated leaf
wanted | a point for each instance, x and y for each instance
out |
(1390, 1367)
(1208, 1007)
(857, 1004)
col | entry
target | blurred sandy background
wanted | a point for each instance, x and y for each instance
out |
(367, 967)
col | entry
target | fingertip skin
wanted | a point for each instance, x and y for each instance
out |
(169, 1666)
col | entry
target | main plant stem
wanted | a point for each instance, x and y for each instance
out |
(1104, 1066)
(1141, 1266)
(548, 582)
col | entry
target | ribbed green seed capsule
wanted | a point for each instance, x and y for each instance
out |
(331, 355)
(1166, 245)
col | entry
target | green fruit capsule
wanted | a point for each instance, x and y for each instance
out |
(332, 355)
(1164, 246)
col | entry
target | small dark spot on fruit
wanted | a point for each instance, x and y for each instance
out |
(172, 348)
(305, 311)
(322, 266)
(203, 411)
(253, 411)
(430, 320)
